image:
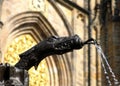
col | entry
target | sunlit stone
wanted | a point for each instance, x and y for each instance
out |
(39, 77)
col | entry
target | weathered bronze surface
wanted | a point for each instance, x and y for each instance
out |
(51, 46)
(12, 76)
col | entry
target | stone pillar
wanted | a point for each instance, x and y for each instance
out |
(110, 38)
(116, 39)
(1, 24)
(1, 1)
(116, 48)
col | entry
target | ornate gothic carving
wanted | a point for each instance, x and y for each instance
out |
(35, 24)
(20, 44)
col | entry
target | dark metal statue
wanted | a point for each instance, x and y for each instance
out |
(50, 46)
(18, 75)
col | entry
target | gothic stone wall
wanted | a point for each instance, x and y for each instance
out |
(110, 42)
(79, 60)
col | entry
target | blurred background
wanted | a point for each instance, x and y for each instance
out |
(24, 23)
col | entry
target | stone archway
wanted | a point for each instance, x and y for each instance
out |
(36, 25)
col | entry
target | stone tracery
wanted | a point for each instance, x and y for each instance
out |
(39, 77)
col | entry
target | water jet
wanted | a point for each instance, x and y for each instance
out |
(53, 45)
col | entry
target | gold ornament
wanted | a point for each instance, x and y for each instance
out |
(39, 77)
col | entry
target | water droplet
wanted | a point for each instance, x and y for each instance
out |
(105, 73)
(115, 80)
(107, 77)
(116, 83)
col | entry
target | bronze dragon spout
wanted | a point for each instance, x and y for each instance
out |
(51, 46)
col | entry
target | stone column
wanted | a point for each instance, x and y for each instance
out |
(116, 39)
(1, 24)
(116, 48)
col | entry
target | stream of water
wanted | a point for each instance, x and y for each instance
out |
(107, 68)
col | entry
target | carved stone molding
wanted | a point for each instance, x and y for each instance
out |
(35, 24)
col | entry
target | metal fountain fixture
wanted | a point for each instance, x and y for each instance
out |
(53, 45)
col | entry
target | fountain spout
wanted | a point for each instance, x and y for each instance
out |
(51, 46)
(91, 41)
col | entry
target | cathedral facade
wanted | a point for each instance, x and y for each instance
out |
(24, 23)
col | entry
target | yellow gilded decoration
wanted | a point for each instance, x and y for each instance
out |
(39, 77)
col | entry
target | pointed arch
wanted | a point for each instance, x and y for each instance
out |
(35, 24)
